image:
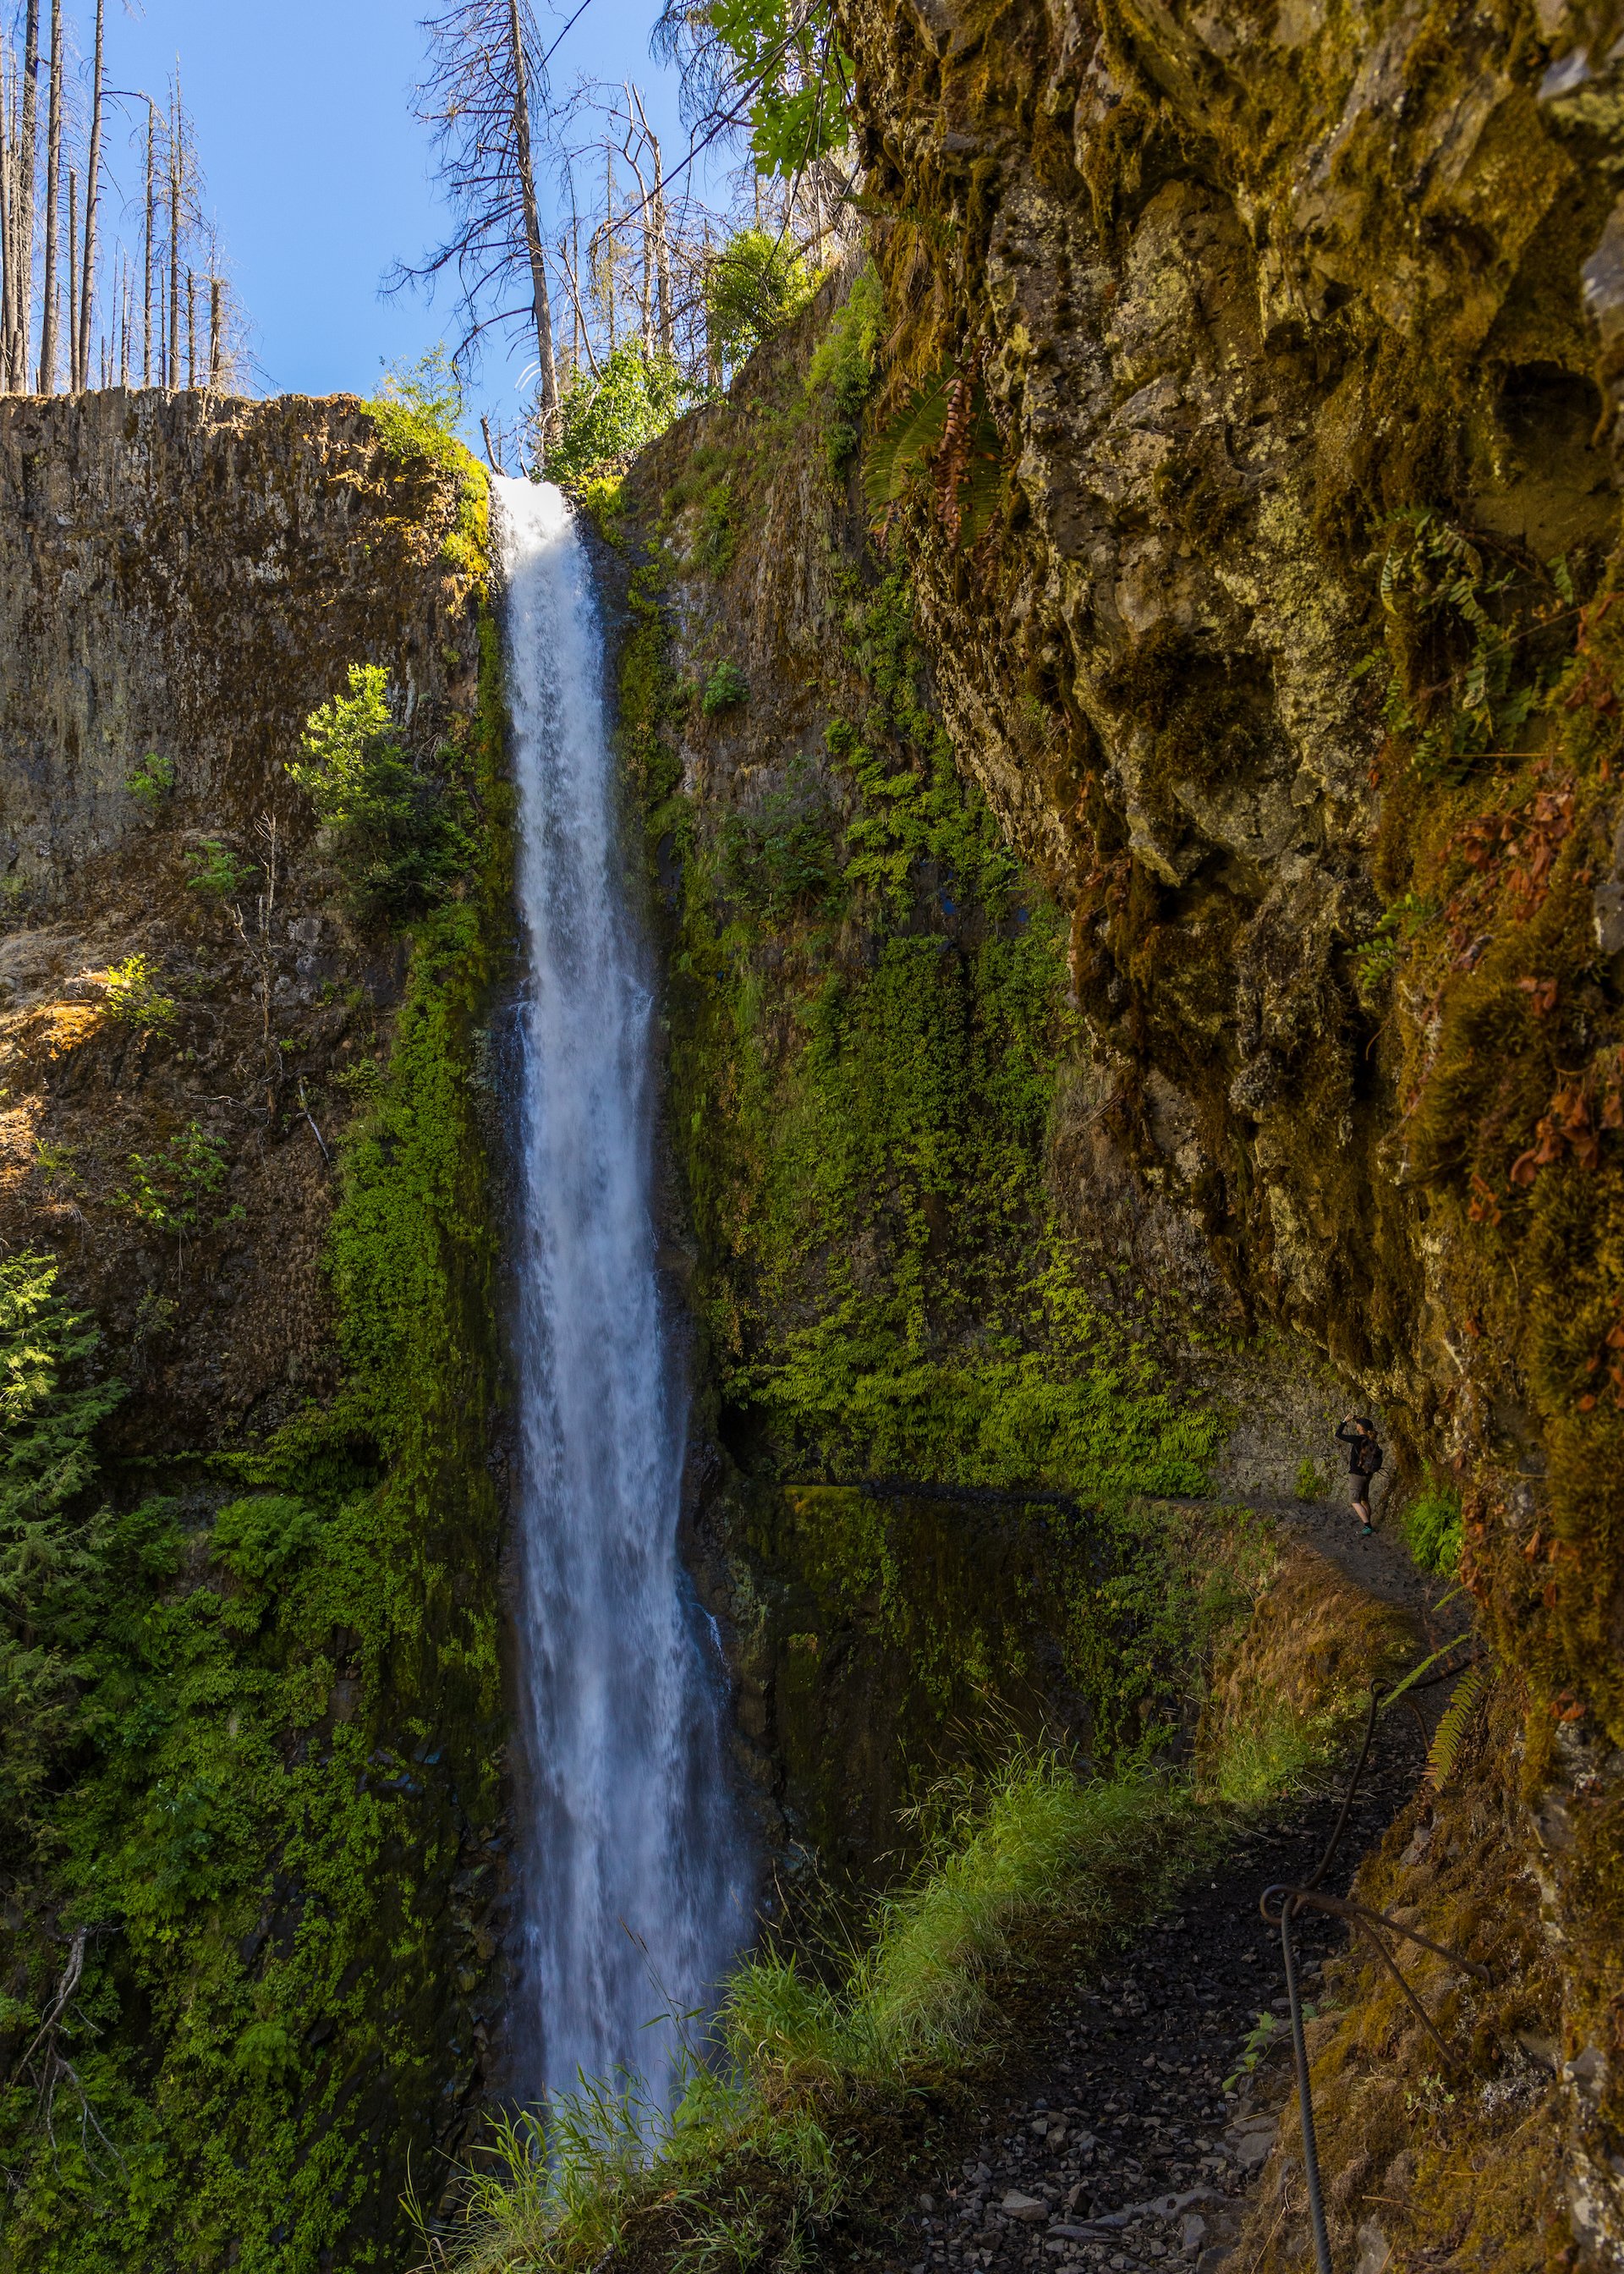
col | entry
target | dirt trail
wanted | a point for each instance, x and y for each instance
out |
(1118, 2147)
(1377, 1562)
(1114, 2143)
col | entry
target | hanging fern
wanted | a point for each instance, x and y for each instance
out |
(1464, 1700)
(945, 433)
(907, 443)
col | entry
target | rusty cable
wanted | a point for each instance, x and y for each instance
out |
(1362, 1920)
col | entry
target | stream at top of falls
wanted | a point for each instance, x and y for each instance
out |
(635, 1887)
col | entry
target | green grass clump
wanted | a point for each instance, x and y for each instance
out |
(1037, 1839)
(1431, 1527)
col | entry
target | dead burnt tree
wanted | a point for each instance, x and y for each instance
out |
(85, 314)
(479, 98)
(50, 286)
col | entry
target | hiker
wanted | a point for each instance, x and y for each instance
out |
(1358, 1434)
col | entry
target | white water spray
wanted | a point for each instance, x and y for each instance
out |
(633, 1895)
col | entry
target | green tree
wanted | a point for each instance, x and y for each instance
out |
(755, 282)
(419, 408)
(605, 418)
(781, 67)
(399, 836)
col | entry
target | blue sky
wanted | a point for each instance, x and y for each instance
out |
(317, 173)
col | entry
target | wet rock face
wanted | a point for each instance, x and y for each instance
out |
(1238, 287)
(191, 576)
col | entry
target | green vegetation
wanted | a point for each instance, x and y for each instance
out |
(725, 688)
(174, 1189)
(755, 282)
(844, 367)
(152, 781)
(216, 872)
(402, 837)
(134, 997)
(789, 75)
(1431, 1527)
(417, 412)
(52, 1399)
(763, 2142)
(781, 856)
(813, 2057)
(252, 1707)
(1312, 1481)
(883, 1281)
(604, 418)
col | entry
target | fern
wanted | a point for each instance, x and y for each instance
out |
(1464, 1700)
(905, 443)
(967, 463)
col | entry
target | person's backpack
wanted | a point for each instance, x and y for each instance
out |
(1370, 1458)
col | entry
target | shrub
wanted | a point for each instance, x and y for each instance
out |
(417, 410)
(781, 854)
(755, 282)
(726, 686)
(133, 996)
(1311, 1482)
(605, 419)
(173, 1188)
(256, 1538)
(50, 1403)
(217, 871)
(845, 365)
(399, 836)
(151, 781)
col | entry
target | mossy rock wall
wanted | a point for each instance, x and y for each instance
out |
(1281, 635)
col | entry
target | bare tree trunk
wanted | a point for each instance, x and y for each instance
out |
(53, 177)
(216, 292)
(540, 304)
(611, 250)
(191, 328)
(662, 234)
(151, 215)
(645, 292)
(72, 282)
(23, 175)
(583, 337)
(713, 361)
(8, 222)
(93, 168)
(177, 159)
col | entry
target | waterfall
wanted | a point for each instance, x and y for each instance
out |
(634, 1892)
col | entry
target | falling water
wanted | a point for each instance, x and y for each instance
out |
(634, 1893)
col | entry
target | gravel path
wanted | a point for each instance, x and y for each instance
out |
(1120, 2147)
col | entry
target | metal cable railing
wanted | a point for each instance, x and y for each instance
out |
(1292, 1900)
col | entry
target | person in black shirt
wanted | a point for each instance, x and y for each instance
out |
(1358, 1434)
